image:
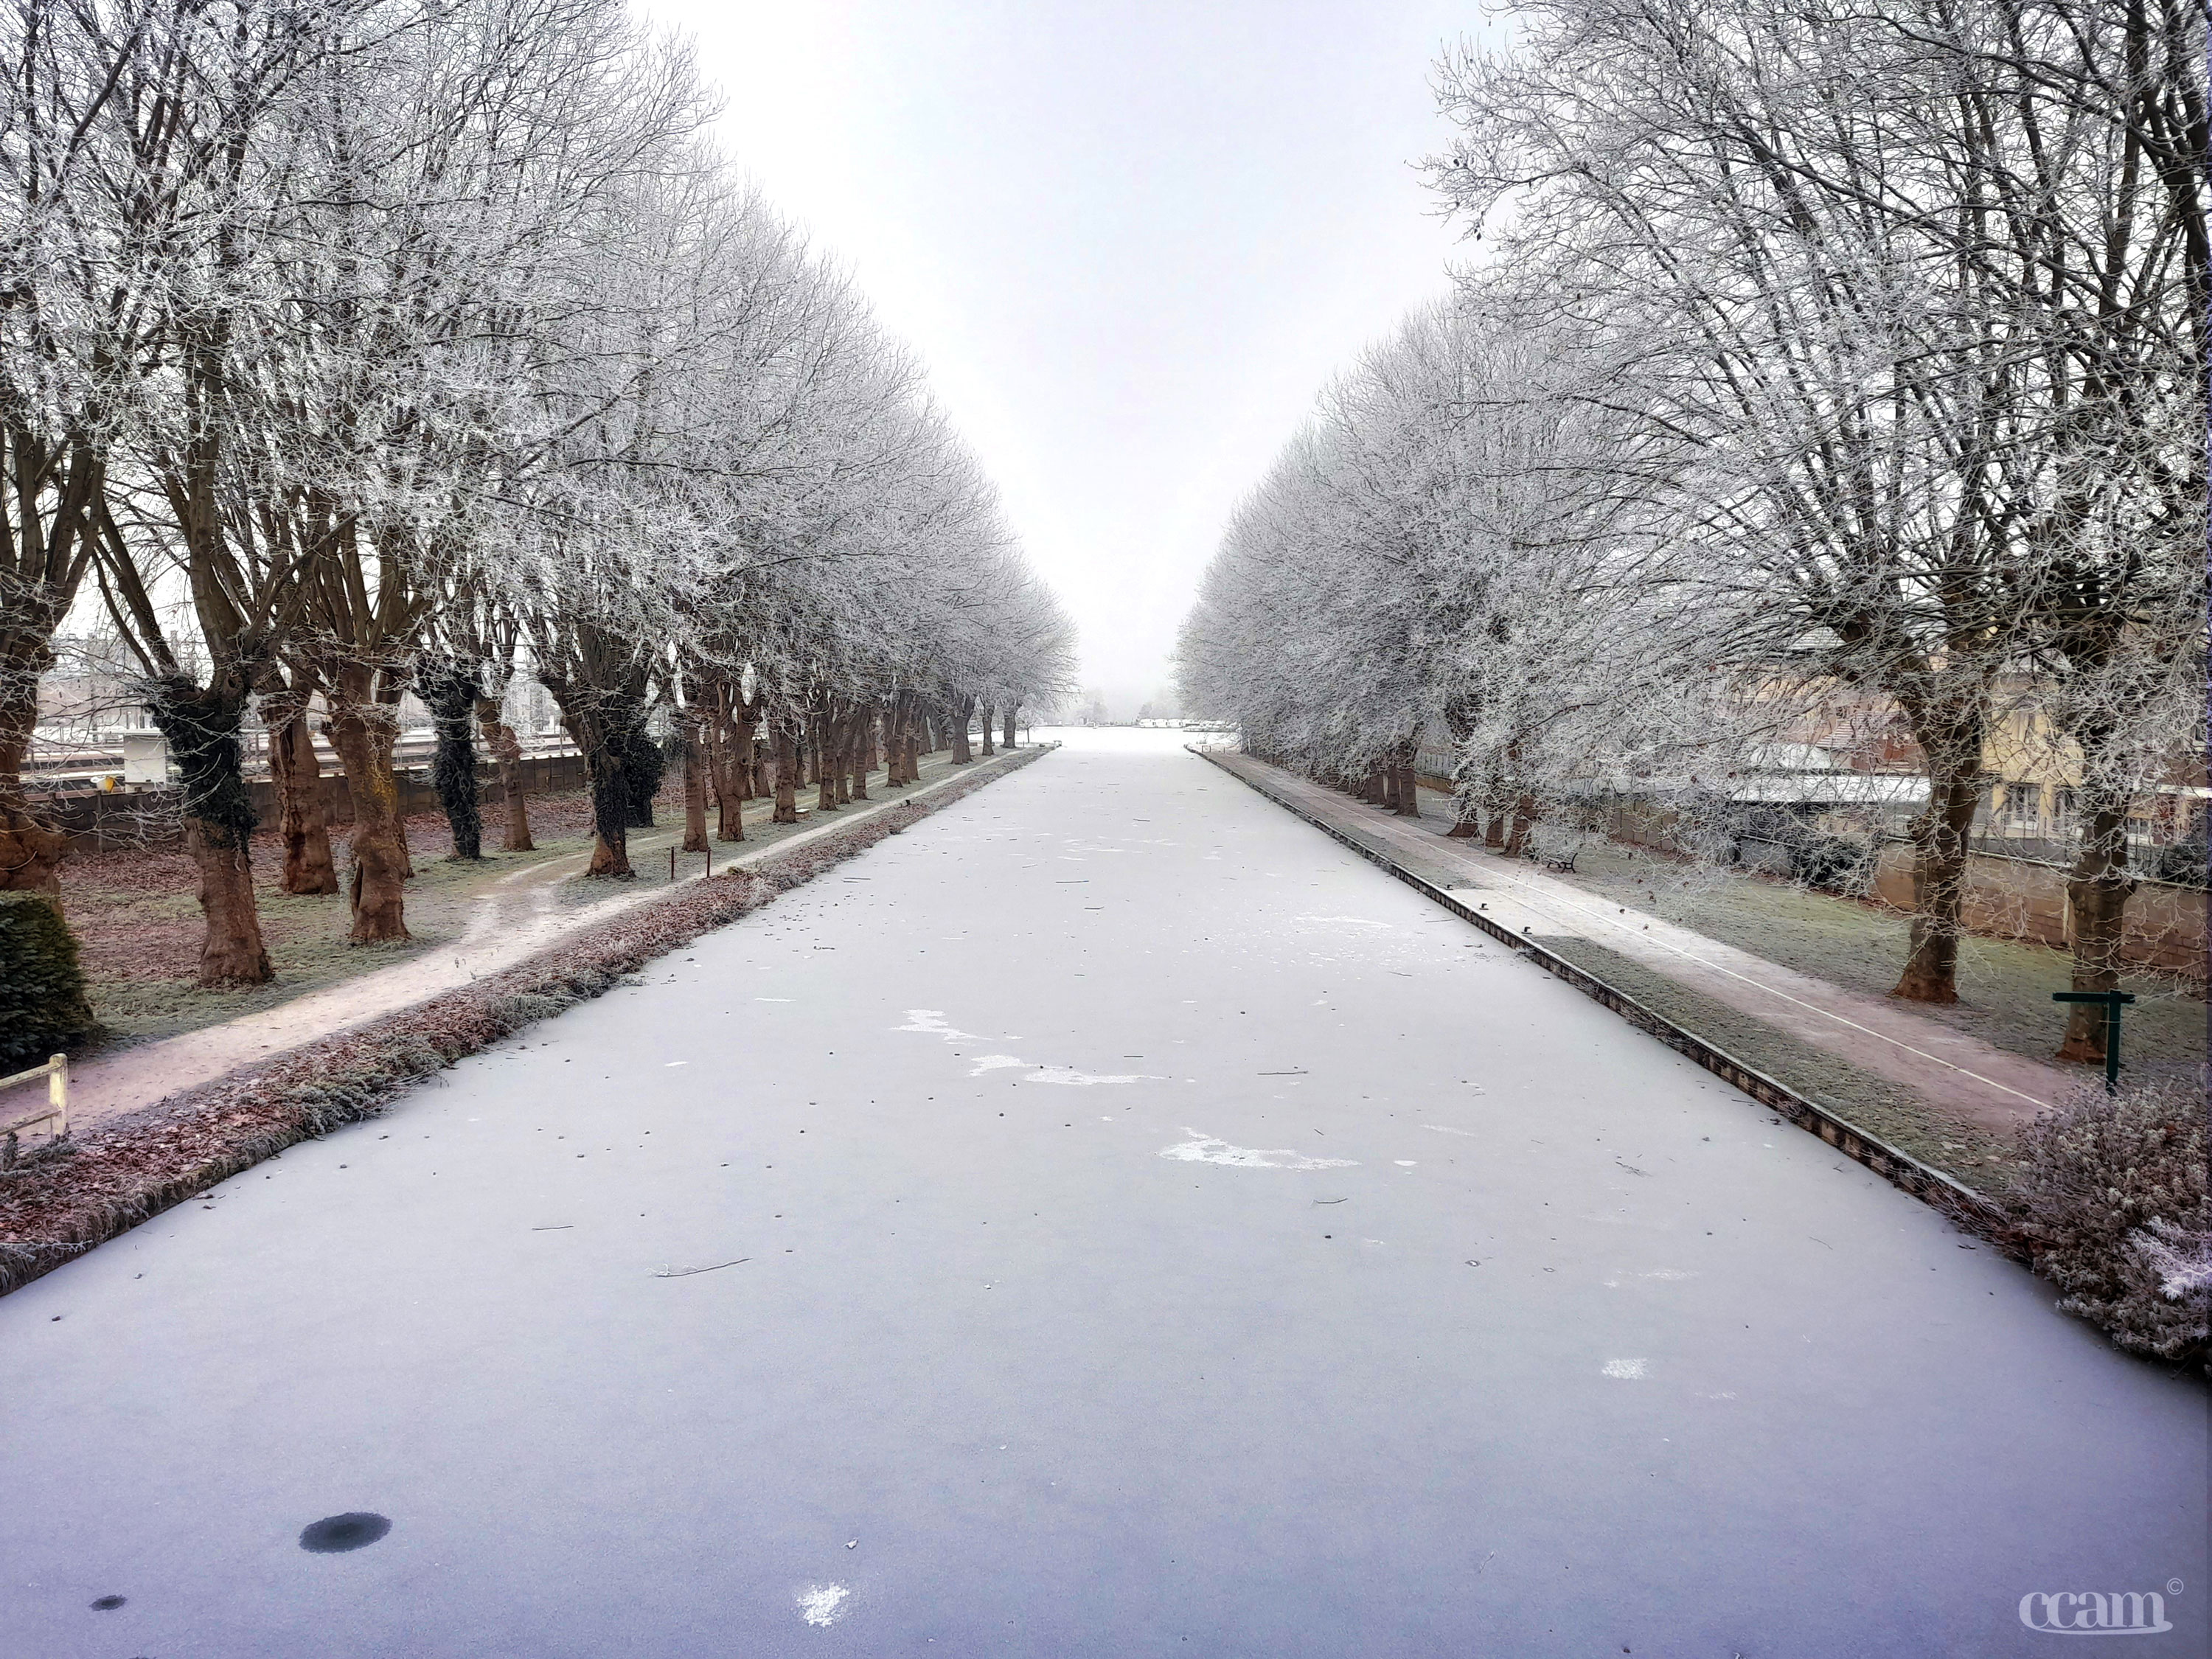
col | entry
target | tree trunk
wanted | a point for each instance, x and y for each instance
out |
(232, 952)
(1409, 792)
(958, 723)
(601, 744)
(787, 775)
(894, 768)
(694, 779)
(744, 776)
(450, 693)
(825, 768)
(303, 824)
(610, 814)
(31, 849)
(2097, 892)
(1939, 885)
(361, 732)
(1516, 830)
(745, 756)
(388, 690)
(1467, 818)
(1949, 721)
(714, 735)
(201, 726)
(507, 754)
(642, 765)
(729, 750)
(1010, 726)
(864, 751)
(985, 725)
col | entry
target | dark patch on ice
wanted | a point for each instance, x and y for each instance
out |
(334, 1532)
(108, 1603)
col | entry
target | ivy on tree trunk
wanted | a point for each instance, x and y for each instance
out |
(201, 725)
(449, 691)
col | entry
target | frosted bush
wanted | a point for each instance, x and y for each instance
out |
(2113, 1200)
(2181, 1257)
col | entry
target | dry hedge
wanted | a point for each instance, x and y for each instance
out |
(61, 1204)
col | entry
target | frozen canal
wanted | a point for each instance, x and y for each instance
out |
(1149, 1229)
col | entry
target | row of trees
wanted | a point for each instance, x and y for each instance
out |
(1820, 368)
(352, 347)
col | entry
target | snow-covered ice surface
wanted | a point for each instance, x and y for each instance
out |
(1205, 1149)
(1615, 1364)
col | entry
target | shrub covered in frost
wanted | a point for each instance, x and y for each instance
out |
(2182, 1258)
(1833, 863)
(2115, 1211)
(524, 1006)
(42, 1003)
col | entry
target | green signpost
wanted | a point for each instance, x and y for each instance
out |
(2113, 1001)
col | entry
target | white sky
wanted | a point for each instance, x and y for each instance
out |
(1130, 239)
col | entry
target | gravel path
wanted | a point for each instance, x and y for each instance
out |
(1107, 1219)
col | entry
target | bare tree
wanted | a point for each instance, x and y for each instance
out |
(1819, 293)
